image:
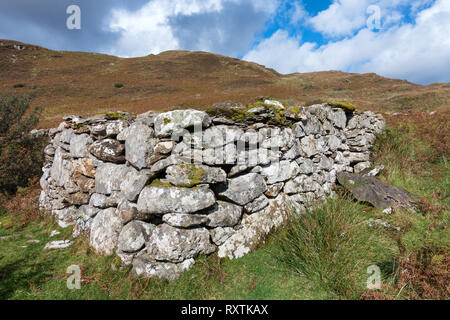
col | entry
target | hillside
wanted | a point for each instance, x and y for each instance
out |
(84, 83)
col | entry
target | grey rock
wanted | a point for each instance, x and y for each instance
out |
(109, 177)
(113, 128)
(169, 122)
(133, 183)
(376, 192)
(280, 171)
(257, 204)
(67, 216)
(134, 235)
(165, 147)
(177, 245)
(224, 214)
(184, 220)
(109, 150)
(161, 200)
(274, 190)
(220, 235)
(244, 189)
(143, 267)
(139, 145)
(105, 231)
(301, 184)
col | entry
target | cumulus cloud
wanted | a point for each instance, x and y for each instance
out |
(419, 51)
(222, 26)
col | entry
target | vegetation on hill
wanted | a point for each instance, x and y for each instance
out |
(86, 82)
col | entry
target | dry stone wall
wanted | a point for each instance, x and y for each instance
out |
(157, 190)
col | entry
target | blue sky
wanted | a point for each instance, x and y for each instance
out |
(404, 39)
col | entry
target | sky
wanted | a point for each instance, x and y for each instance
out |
(402, 39)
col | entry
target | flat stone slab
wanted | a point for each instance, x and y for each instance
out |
(379, 194)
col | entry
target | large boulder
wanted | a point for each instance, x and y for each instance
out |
(161, 200)
(189, 175)
(139, 145)
(109, 150)
(381, 195)
(244, 189)
(105, 231)
(169, 122)
(177, 245)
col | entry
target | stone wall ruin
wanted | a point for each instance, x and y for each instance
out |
(157, 190)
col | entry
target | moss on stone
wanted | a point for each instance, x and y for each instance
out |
(167, 121)
(159, 183)
(195, 174)
(347, 107)
(7, 224)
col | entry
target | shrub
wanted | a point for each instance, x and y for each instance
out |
(21, 153)
(18, 85)
(331, 245)
(118, 85)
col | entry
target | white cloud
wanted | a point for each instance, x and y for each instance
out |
(419, 52)
(150, 30)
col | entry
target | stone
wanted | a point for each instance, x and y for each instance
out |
(127, 212)
(224, 214)
(85, 166)
(274, 103)
(253, 229)
(184, 220)
(101, 201)
(82, 226)
(301, 184)
(376, 192)
(79, 145)
(133, 183)
(360, 167)
(274, 190)
(257, 204)
(139, 145)
(108, 150)
(220, 235)
(280, 171)
(170, 122)
(62, 168)
(109, 177)
(306, 166)
(67, 216)
(105, 231)
(60, 244)
(189, 175)
(309, 146)
(113, 128)
(244, 189)
(134, 235)
(161, 200)
(165, 147)
(170, 244)
(147, 268)
(89, 211)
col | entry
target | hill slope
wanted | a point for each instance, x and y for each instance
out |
(84, 83)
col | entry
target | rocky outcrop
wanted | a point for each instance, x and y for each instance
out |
(157, 190)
